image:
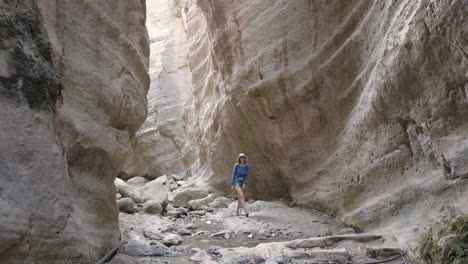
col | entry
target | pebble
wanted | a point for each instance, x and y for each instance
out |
(191, 227)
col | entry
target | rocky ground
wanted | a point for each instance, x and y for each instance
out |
(167, 220)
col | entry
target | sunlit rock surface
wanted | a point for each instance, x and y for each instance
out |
(356, 107)
(73, 84)
(161, 145)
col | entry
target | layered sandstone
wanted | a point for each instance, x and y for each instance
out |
(73, 84)
(356, 107)
(161, 145)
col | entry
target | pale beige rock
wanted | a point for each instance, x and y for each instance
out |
(126, 190)
(137, 181)
(161, 145)
(155, 191)
(73, 88)
(348, 106)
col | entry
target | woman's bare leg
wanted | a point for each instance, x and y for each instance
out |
(241, 201)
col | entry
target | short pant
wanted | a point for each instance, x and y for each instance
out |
(238, 182)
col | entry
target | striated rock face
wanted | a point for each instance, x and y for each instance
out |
(356, 107)
(161, 145)
(73, 83)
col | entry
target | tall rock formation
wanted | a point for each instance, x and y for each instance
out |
(161, 145)
(357, 107)
(73, 84)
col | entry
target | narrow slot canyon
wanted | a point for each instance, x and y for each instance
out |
(121, 122)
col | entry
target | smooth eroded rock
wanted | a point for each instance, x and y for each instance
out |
(126, 190)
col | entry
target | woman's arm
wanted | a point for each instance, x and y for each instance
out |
(233, 174)
(247, 177)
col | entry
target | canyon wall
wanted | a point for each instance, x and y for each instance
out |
(161, 146)
(356, 107)
(73, 84)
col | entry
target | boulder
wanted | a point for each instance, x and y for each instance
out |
(199, 203)
(182, 198)
(201, 256)
(161, 179)
(127, 205)
(154, 191)
(152, 207)
(126, 190)
(171, 240)
(220, 202)
(137, 181)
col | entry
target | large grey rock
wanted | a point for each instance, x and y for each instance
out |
(199, 203)
(182, 198)
(152, 207)
(126, 205)
(126, 190)
(137, 181)
(155, 191)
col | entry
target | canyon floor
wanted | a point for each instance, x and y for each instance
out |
(210, 231)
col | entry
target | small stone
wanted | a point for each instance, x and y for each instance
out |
(169, 207)
(250, 236)
(152, 235)
(184, 232)
(182, 210)
(195, 249)
(345, 231)
(201, 256)
(198, 212)
(118, 196)
(222, 234)
(208, 222)
(178, 177)
(175, 214)
(171, 240)
(191, 226)
(173, 186)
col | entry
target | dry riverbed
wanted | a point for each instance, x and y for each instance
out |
(197, 227)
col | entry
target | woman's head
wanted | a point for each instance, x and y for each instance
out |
(242, 158)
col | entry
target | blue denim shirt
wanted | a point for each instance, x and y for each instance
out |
(239, 171)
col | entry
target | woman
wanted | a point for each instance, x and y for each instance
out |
(240, 175)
